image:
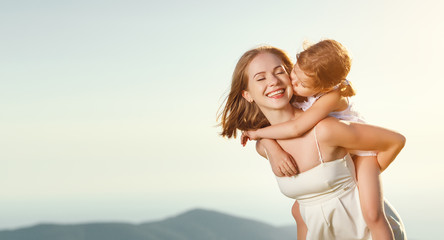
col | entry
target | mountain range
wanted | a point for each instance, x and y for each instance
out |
(196, 224)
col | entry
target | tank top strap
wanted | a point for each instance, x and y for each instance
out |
(317, 146)
(334, 88)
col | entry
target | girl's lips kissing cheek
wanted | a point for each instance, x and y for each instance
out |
(276, 94)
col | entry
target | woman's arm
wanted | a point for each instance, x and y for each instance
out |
(306, 121)
(281, 162)
(358, 136)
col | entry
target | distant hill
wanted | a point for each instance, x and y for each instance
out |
(196, 224)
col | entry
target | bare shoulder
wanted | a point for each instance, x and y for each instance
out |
(334, 94)
(329, 128)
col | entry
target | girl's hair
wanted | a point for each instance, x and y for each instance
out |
(328, 63)
(238, 113)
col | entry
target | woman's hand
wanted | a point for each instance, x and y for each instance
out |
(282, 163)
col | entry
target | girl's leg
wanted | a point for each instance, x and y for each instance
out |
(302, 228)
(370, 194)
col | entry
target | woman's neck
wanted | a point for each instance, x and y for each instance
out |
(276, 116)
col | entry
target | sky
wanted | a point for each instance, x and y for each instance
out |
(108, 108)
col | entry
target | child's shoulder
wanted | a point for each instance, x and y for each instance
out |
(303, 103)
(334, 93)
(325, 129)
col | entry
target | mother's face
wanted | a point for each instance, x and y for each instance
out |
(269, 85)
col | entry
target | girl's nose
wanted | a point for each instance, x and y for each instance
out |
(293, 78)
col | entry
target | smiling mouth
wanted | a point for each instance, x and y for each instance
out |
(276, 93)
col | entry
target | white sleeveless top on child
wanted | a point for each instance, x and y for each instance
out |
(350, 114)
(329, 203)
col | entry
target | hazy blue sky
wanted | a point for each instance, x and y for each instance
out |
(108, 108)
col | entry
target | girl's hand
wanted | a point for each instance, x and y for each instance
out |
(253, 135)
(244, 139)
(248, 135)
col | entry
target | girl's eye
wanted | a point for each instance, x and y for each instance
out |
(260, 79)
(280, 72)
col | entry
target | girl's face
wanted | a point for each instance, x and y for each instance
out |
(303, 85)
(268, 83)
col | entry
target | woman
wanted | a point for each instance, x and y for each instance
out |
(325, 189)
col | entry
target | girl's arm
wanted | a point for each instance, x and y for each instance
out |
(281, 162)
(358, 136)
(306, 121)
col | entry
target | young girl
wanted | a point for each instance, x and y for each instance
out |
(320, 75)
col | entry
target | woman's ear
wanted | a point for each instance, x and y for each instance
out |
(247, 96)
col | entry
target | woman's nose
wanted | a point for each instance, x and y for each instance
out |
(274, 80)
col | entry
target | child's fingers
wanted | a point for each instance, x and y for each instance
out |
(244, 139)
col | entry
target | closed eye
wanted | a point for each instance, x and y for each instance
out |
(302, 84)
(280, 70)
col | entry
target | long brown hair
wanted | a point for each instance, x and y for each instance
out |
(238, 113)
(328, 63)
